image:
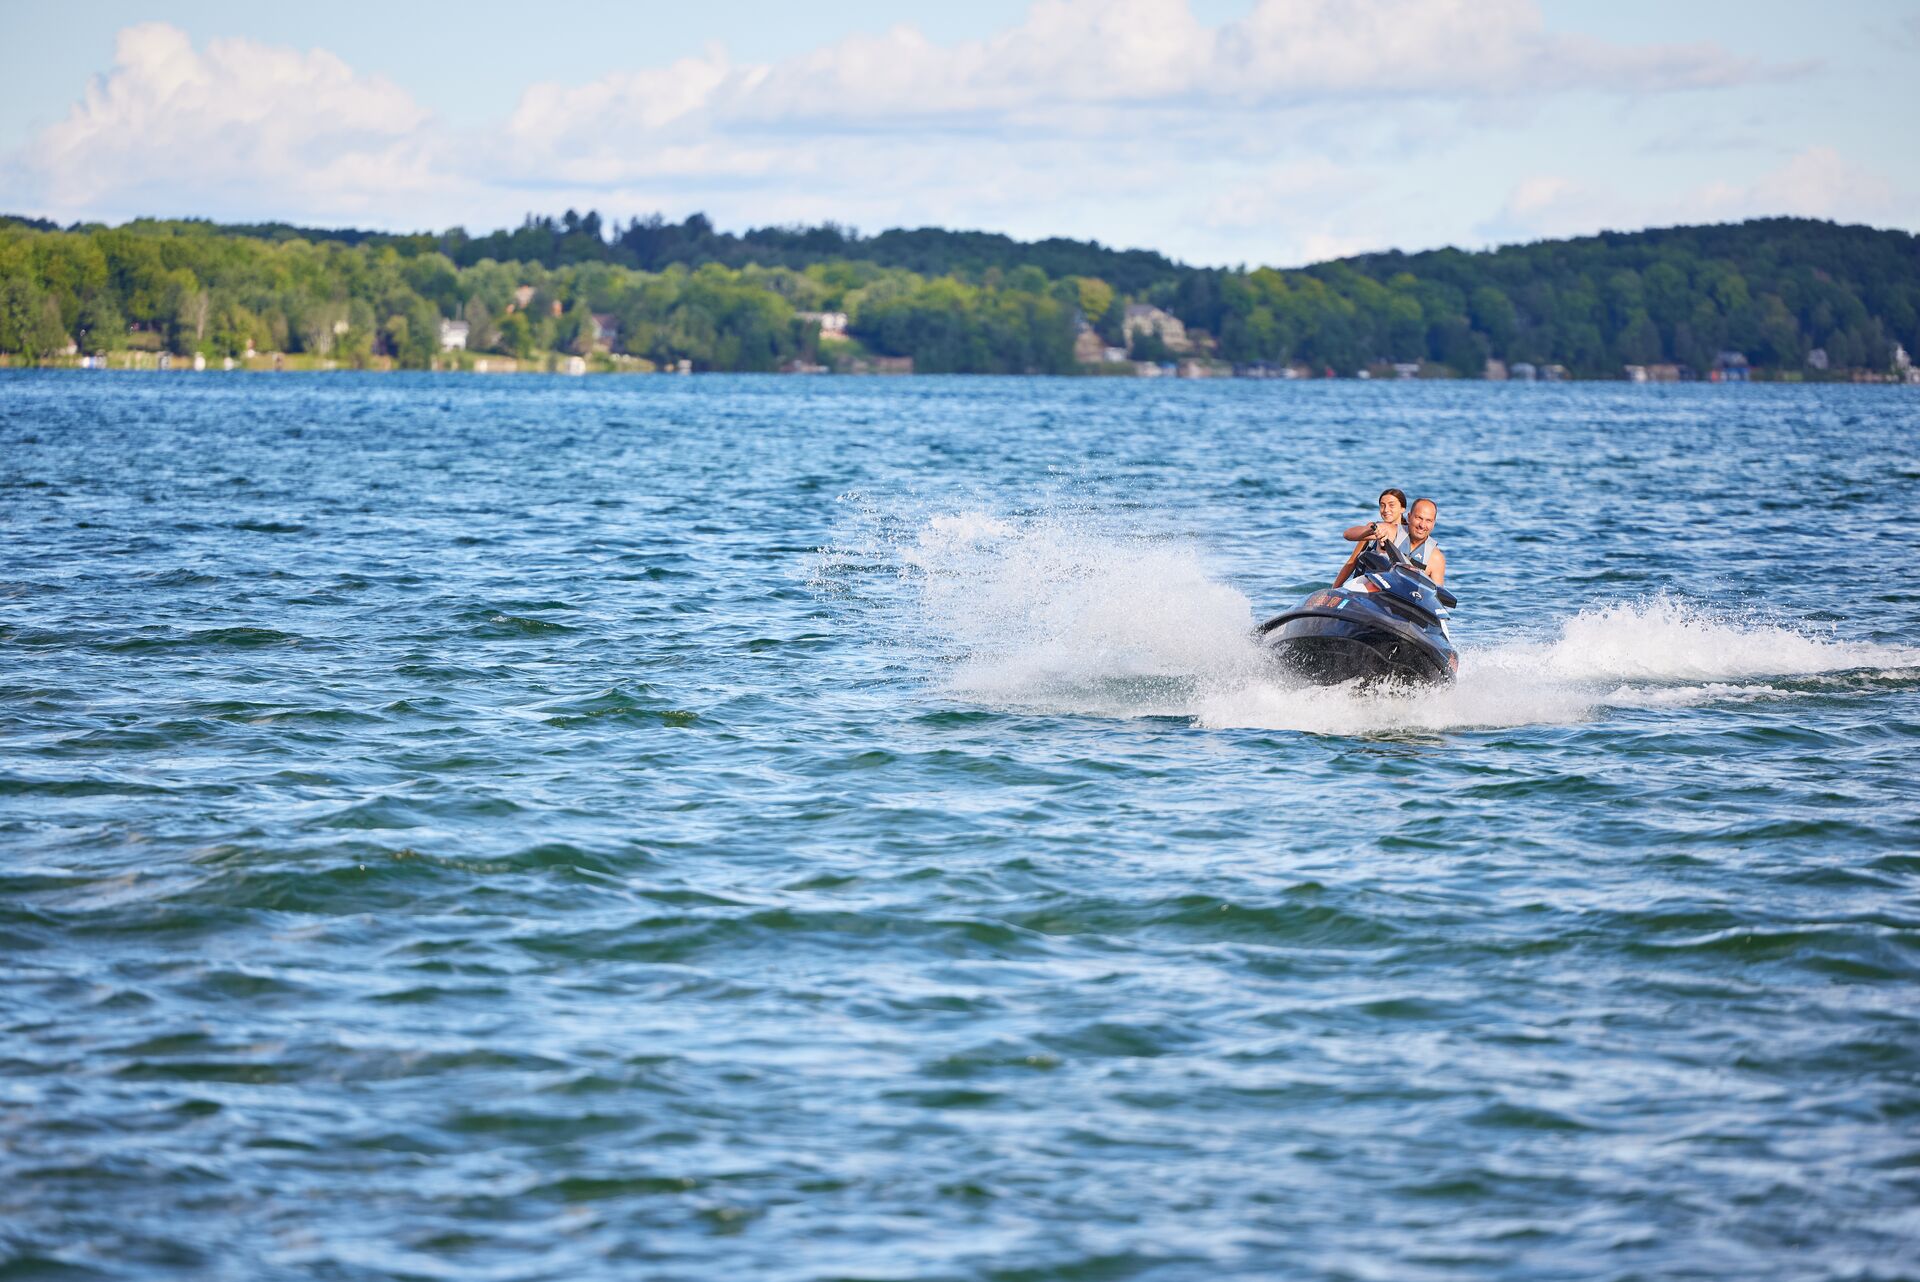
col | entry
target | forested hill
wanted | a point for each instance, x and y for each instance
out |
(1792, 297)
(652, 244)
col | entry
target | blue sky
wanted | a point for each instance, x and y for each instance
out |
(1255, 131)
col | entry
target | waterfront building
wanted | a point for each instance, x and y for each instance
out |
(832, 324)
(1144, 318)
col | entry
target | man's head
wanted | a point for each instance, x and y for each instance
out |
(1420, 520)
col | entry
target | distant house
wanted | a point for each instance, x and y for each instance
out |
(523, 296)
(1522, 372)
(1406, 369)
(1636, 373)
(606, 329)
(1817, 359)
(1729, 367)
(832, 324)
(1665, 373)
(1144, 318)
(1088, 348)
(1553, 373)
(1494, 371)
(574, 365)
(453, 335)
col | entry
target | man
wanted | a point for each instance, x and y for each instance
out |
(1423, 551)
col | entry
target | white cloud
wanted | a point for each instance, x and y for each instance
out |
(1814, 183)
(238, 120)
(1095, 97)
(1269, 137)
(1314, 183)
(1068, 58)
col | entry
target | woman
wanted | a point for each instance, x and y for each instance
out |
(1388, 529)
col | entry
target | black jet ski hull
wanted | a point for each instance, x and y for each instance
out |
(1338, 636)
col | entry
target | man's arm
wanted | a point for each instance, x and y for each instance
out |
(1437, 567)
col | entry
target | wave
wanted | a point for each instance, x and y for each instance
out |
(1061, 614)
(1050, 614)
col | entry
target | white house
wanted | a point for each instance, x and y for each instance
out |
(832, 324)
(453, 336)
(1144, 317)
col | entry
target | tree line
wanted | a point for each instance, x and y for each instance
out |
(1790, 295)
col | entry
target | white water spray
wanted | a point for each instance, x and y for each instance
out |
(1055, 615)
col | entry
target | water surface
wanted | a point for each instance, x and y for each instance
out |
(804, 829)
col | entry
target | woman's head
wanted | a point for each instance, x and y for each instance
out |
(1392, 504)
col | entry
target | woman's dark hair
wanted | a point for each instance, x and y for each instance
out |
(1397, 493)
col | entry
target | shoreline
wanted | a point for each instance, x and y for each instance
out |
(601, 363)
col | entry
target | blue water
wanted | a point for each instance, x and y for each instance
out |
(802, 829)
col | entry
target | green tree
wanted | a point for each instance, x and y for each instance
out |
(29, 320)
(99, 327)
(1095, 295)
(515, 336)
(574, 332)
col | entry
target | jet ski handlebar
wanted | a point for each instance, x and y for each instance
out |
(1397, 559)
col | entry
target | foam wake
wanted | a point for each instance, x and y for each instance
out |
(1063, 615)
(1052, 615)
(1660, 652)
(1656, 653)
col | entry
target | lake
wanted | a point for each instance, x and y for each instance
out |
(786, 828)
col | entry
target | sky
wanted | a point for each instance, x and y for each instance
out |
(1275, 132)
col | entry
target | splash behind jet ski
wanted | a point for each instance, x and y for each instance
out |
(1387, 624)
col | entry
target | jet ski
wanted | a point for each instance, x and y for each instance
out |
(1387, 624)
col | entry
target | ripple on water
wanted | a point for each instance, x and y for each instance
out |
(798, 829)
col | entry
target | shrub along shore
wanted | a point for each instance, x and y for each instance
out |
(1788, 299)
